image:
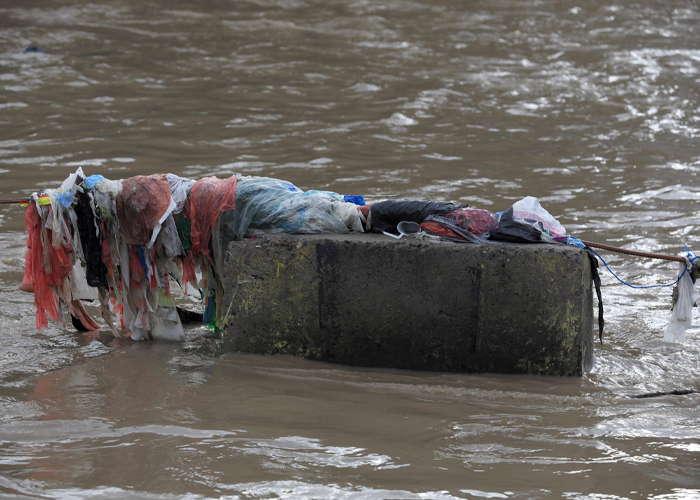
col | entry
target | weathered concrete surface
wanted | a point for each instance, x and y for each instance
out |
(370, 300)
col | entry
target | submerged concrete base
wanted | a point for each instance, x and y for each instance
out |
(370, 300)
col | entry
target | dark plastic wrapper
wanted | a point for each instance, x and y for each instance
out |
(387, 214)
(513, 231)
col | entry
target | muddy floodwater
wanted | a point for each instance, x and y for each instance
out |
(592, 106)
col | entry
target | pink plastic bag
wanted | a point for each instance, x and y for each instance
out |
(140, 205)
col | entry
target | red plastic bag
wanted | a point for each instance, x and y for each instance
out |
(140, 205)
(474, 220)
(208, 198)
(440, 230)
(44, 280)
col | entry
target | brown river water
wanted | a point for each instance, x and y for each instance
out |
(591, 106)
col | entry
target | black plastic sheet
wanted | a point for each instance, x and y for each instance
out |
(387, 214)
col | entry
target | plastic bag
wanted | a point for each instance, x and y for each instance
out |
(350, 215)
(208, 198)
(93, 180)
(112, 188)
(166, 325)
(474, 220)
(514, 231)
(141, 206)
(170, 240)
(278, 206)
(682, 316)
(91, 241)
(55, 219)
(165, 322)
(179, 190)
(449, 230)
(529, 211)
(354, 198)
(304, 212)
(80, 290)
(440, 230)
(69, 187)
(385, 215)
(43, 272)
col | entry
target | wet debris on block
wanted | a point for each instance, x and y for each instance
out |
(119, 243)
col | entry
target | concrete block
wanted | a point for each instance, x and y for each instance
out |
(370, 300)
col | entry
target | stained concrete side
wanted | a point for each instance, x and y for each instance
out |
(370, 300)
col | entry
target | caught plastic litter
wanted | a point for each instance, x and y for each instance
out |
(448, 230)
(356, 199)
(571, 241)
(121, 243)
(93, 180)
(474, 220)
(462, 225)
(386, 215)
(529, 211)
(91, 242)
(208, 198)
(682, 315)
(406, 228)
(141, 207)
(513, 230)
(277, 206)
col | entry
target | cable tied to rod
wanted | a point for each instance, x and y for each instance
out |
(688, 261)
(633, 286)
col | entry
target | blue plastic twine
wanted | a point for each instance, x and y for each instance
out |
(632, 286)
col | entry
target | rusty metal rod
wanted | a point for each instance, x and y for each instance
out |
(14, 200)
(634, 252)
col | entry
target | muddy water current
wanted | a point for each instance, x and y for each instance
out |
(592, 106)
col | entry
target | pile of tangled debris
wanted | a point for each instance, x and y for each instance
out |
(121, 242)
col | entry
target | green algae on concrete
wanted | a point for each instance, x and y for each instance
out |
(369, 300)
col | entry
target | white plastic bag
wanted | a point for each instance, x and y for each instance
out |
(179, 189)
(529, 211)
(682, 316)
(80, 290)
(168, 236)
(350, 214)
(165, 325)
